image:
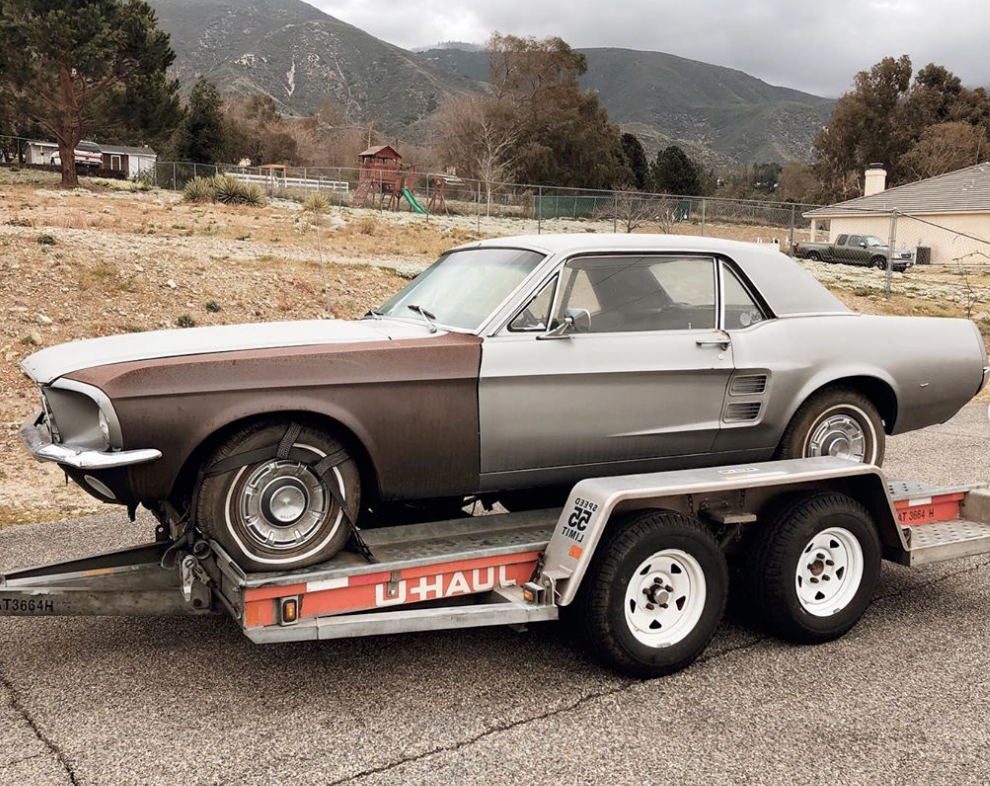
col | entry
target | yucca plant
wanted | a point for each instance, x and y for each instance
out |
(316, 203)
(228, 190)
(254, 195)
(199, 189)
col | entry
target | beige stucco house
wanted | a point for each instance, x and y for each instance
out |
(950, 214)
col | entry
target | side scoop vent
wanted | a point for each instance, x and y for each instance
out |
(741, 412)
(749, 385)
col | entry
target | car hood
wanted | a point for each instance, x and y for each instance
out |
(49, 364)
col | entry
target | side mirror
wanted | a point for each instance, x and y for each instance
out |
(862, 245)
(576, 320)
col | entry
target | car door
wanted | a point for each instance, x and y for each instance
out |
(646, 379)
(836, 249)
(857, 252)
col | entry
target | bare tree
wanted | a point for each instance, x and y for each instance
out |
(972, 295)
(478, 135)
(632, 210)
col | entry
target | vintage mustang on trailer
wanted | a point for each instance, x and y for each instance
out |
(509, 367)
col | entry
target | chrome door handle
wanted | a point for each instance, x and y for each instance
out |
(721, 343)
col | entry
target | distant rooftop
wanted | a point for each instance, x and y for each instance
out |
(963, 191)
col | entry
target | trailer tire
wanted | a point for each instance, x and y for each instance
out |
(278, 514)
(675, 558)
(805, 540)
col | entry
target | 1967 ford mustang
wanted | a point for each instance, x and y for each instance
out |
(508, 368)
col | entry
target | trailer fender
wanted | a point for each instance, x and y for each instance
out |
(595, 504)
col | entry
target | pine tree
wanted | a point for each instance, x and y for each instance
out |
(84, 66)
(675, 173)
(636, 160)
(202, 136)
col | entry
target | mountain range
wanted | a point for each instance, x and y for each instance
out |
(301, 57)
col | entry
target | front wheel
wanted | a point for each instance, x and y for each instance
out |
(814, 567)
(837, 421)
(653, 595)
(279, 511)
(880, 263)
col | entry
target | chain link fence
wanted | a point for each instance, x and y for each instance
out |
(520, 208)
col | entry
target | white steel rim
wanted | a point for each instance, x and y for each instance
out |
(829, 572)
(665, 598)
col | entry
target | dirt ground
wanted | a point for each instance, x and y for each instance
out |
(105, 259)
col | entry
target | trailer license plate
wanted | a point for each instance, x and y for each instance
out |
(27, 606)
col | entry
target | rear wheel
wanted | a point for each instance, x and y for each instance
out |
(279, 512)
(653, 595)
(837, 421)
(814, 567)
(814, 256)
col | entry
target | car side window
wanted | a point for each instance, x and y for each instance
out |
(855, 241)
(741, 308)
(536, 314)
(841, 241)
(640, 293)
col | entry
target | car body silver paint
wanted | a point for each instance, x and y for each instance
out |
(49, 364)
(556, 411)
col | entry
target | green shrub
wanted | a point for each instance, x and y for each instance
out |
(46, 240)
(213, 307)
(185, 321)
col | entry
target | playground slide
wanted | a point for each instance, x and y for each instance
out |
(412, 201)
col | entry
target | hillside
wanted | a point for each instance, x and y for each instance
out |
(300, 56)
(723, 114)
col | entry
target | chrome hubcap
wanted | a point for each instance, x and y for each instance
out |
(829, 572)
(838, 435)
(283, 504)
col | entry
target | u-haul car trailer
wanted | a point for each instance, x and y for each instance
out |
(639, 563)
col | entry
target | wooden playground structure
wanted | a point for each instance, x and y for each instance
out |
(384, 177)
(384, 181)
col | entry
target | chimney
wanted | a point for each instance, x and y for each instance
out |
(876, 180)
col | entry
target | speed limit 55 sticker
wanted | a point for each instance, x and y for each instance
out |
(577, 522)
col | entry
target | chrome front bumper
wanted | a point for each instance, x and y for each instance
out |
(42, 448)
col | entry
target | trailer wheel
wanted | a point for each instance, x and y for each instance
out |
(653, 595)
(278, 513)
(813, 570)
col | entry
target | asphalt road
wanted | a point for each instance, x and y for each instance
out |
(903, 699)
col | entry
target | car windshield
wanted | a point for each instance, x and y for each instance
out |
(873, 240)
(463, 288)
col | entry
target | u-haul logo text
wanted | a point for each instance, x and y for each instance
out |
(444, 585)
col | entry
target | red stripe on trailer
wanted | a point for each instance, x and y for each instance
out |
(926, 510)
(383, 590)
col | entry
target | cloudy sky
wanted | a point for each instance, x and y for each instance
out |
(807, 45)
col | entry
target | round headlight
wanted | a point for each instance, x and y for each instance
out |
(104, 427)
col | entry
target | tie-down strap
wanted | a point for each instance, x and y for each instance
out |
(285, 450)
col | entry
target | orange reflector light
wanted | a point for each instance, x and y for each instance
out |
(575, 552)
(528, 595)
(290, 611)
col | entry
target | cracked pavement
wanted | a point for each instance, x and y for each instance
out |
(902, 699)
